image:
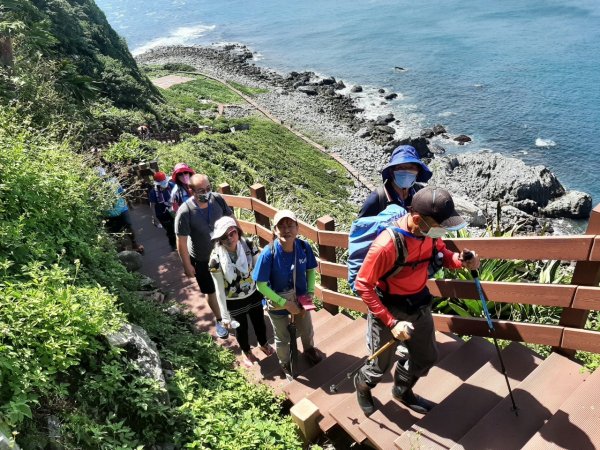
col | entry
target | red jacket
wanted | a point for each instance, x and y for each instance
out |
(381, 258)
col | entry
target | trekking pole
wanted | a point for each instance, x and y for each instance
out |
(475, 275)
(334, 387)
(293, 347)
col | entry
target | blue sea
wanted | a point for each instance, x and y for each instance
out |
(521, 77)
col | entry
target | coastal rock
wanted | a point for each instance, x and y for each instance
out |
(421, 146)
(493, 177)
(574, 205)
(462, 139)
(437, 149)
(427, 133)
(384, 120)
(472, 213)
(339, 85)
(363, 132)
(529, 206)
(307, 90)
(357, 88)
(327, 81)
(391, 96)
(386, 129)
(381, 91)
(438, 129)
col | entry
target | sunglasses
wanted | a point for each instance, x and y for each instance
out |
(228, 236)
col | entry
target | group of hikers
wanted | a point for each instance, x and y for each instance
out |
(239, 281)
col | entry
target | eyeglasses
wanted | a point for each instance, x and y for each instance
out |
(229, 235)
(205, 190)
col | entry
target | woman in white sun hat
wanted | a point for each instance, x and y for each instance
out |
(285, 271)
(231, 263)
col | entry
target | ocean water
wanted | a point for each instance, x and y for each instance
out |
(521, 77)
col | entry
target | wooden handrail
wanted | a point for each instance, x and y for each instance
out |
(576, 299)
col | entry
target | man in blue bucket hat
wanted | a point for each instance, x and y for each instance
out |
(399, 176)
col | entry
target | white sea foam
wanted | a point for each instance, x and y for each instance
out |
(446, 114)
(179, 36)
(547, 143)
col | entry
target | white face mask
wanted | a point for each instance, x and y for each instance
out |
(434, 232)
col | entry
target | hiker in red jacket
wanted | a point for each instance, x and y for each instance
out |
(400, 303)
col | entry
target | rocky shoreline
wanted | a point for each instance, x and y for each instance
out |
(325, 109)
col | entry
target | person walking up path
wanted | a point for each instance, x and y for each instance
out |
(285, 270)
(398, 299)
(194, 223)
(231, 263)
(399, 177)
(159, 198)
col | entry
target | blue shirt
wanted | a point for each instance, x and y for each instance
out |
(278, 271)
(120, 205)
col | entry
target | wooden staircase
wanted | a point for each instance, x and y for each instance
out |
(558, 404)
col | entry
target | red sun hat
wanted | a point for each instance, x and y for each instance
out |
(181, 168)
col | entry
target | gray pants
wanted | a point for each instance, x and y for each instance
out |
(282, 335)
(422, 347)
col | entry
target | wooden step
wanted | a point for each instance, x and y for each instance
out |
(577, 422)
(347, 406)
(392, 418)
(270, 369)
(331, 328)
(351, 338)
(445, 424)
(538, 397)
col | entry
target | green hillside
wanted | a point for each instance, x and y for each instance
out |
(71, 97)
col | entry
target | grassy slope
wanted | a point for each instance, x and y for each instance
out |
(295, 174)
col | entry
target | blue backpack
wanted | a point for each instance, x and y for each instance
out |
(364, 231)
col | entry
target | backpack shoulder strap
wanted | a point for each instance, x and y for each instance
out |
(220, 200)
(401, 253)
(382, 197)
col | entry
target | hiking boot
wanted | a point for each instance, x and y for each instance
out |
(221, 330)
(402, 391)
(364, 397)
(415, 402)
(287, 371)
(313, 355)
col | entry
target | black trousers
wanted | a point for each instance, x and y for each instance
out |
(244, 309)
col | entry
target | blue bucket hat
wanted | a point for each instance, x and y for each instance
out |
(406, 154)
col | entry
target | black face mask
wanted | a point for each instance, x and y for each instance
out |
(203, 198)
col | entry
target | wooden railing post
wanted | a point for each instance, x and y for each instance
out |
(258, 192)
(224, 188)
(327, 253)
(587, 273)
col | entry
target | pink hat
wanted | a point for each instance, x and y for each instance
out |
(181, 168)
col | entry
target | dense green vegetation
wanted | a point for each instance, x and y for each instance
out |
(67, 82)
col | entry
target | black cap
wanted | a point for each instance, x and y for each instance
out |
(438, 204)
